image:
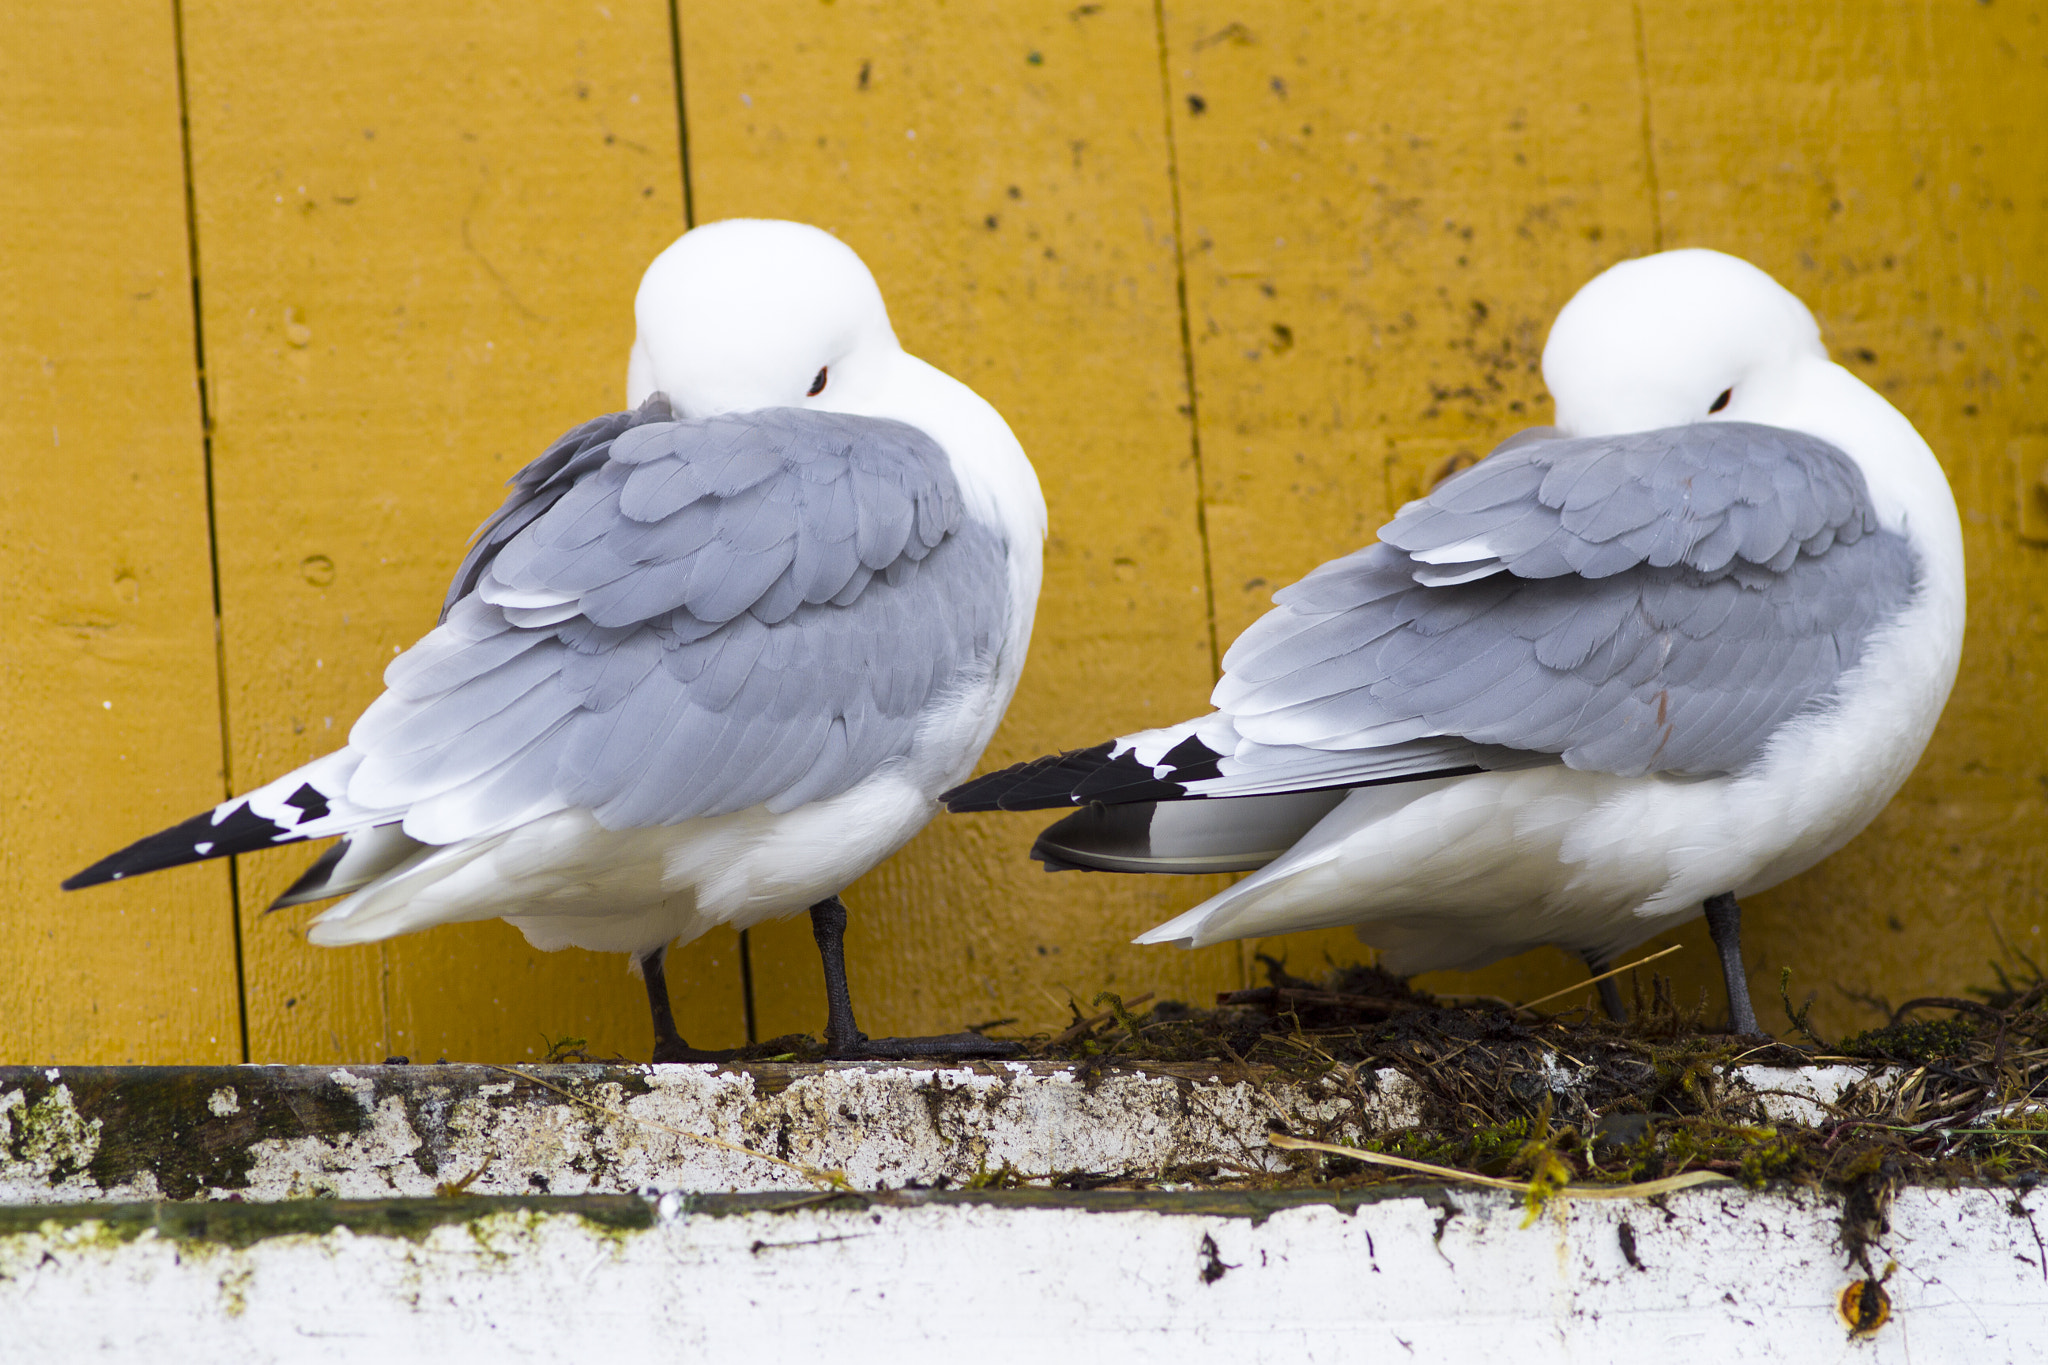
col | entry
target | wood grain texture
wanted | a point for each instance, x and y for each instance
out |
(421, 226)
(1003, 169)
(108, 683)
(1379, 234)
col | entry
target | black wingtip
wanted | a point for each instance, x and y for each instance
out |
(190, 841)
(1058, 781)
(312, 883)
(1124, 779)
(1042, 784)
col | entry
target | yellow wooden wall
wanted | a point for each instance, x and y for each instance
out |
(288, 290)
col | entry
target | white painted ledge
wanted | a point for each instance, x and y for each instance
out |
(367, 1132)
(269, 1259)
(1717, 1276)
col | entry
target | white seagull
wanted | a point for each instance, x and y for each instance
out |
(1668, 653)
(713, 659)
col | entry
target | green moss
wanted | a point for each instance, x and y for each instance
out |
(45, 1131)
(1920, 1040)
(1254, 1204)
(1004, 1177)
(196, 1130)
(114, 1124)
(103, 1227)
(1768, 1157)
(240, 1225)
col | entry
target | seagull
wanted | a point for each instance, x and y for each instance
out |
(1675, 649)
(713, 659)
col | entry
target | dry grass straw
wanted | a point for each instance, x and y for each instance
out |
(1596, 980)
(1643, 1190)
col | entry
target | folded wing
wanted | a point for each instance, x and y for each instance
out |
(1657, 602)
(722, 613)
(667, 619)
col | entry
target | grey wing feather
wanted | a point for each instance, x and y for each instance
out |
(538, 486)
(1661, 601)
(755, 609)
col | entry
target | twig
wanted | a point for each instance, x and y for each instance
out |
(453, 1189)
(1289, 995)
(1069, 1035)
(1495, 1000)
(835, 1180)
(1944, 1002)
(1595, 980)
(1648, 1189)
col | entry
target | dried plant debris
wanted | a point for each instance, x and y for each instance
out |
(1571, 1099)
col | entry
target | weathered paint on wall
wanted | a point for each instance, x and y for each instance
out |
(113, 1134)
(108, 690)
(404, 301)
(1376, 246)
(1888, 169)
(417, 232)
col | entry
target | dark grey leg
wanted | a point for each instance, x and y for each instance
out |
(1724, 923)
(668, 1044)
(1610, 991)
(828, 927)
(844, 1040)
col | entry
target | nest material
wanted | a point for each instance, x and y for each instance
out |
(1571, 1098)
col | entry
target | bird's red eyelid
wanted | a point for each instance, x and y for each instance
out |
(1719, 403)
(818, 384)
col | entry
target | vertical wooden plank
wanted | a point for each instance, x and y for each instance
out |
(107, 668)
(1885, 162)
(421, 226)
(1385, 205)
(1003, 169)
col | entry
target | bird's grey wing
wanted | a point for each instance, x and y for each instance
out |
(716, 614)
(1702, 496)
(536, 488)
(1661, 601)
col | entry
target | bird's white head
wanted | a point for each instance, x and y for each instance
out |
(1696, 336)
(1679, 337)
(754, 313)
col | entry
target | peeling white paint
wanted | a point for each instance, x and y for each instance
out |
(713, 1129)
(876, 1127)
(1718, 1275)
(1795, 1094)
(40, 1138)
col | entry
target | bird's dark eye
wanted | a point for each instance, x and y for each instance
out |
(1719, 403)
(818, 385)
